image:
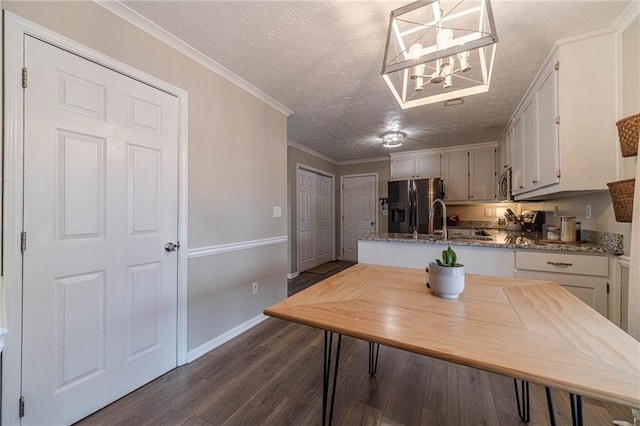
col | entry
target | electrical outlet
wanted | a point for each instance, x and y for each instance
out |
(587, 213)
(555, 211)
(487, 212)
(254, 289)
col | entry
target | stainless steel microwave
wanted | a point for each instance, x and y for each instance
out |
(504, 187)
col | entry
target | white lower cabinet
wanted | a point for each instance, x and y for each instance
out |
(585, 276)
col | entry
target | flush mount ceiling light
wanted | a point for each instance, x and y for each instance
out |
(439, 50)
(392, 139)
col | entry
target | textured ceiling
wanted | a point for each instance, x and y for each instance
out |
(322, 60)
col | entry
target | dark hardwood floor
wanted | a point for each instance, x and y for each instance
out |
(306, 279)
(272, 375)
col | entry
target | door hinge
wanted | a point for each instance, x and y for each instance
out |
(23, 242)
(608, 289)
(21, 407)
(558, 120)
(24, 77)
(557, 65)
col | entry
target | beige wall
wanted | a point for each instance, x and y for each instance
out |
(237, 166)
(631, 105)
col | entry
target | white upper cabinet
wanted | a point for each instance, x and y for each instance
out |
(416, 165)
(456, 174)
(564, 134)
(547, 126)
(530, 145)
(482, 174)
(518, 156)
(504, 152)
(469, 173)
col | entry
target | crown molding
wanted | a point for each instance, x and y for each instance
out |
(312, 152)
(153, 29)
(628, 16)
(366, 160)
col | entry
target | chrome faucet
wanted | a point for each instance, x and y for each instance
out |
(444, 216)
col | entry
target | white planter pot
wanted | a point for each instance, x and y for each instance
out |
(446, 282)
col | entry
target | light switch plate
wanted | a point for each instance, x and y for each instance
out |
(277, 211)
(587, 213)
(487, 212)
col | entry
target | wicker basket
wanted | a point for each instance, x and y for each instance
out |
(622, 197)
(628, 131)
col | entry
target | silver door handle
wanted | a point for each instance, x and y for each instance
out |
(171, 247)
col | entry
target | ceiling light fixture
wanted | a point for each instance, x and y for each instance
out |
(439, 50)
(392, 139)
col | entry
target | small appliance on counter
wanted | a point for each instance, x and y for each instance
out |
(532, 220)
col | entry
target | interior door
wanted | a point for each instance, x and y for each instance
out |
(100, 203)
(324, 212)
(359, 212)
(307, 211)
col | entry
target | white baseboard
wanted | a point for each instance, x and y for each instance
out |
(196, 353)
(291, 276)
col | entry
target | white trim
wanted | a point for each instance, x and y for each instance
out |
(228, 248)
(312, 152)
(15, 29)
(331, 160)
(628, 16)
(292, 276)
(624, 261)
(224, 337)
(300, 166)
(366, 160)
(375, 175)
(153, 29)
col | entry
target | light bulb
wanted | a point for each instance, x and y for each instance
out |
(415, 51)
(463, 57)
(444, 38)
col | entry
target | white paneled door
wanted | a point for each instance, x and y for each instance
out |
(307, 213)
(315, 219)
(324, 218)
(100, 204)
(358, 211)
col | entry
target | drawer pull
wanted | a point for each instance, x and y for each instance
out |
(559, 263)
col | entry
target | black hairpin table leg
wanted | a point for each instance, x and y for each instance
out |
(374, 350)
(326, 383)
(552, 412)
(523, 400)
(576, 409)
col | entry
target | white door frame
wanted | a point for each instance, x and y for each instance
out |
(15, 29)
(300, 166)
(375, 175)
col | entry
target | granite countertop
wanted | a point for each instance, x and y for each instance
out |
(596, 242)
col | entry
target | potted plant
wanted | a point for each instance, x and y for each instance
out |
(446, 276)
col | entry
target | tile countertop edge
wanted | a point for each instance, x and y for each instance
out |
(588, 249)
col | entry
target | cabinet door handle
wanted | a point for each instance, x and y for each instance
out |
(559, 263)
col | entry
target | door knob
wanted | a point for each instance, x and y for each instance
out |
(171, 247)
(373, 223)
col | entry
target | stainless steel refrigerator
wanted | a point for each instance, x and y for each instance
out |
(410, 202)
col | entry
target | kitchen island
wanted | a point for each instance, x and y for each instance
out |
(585, 269)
